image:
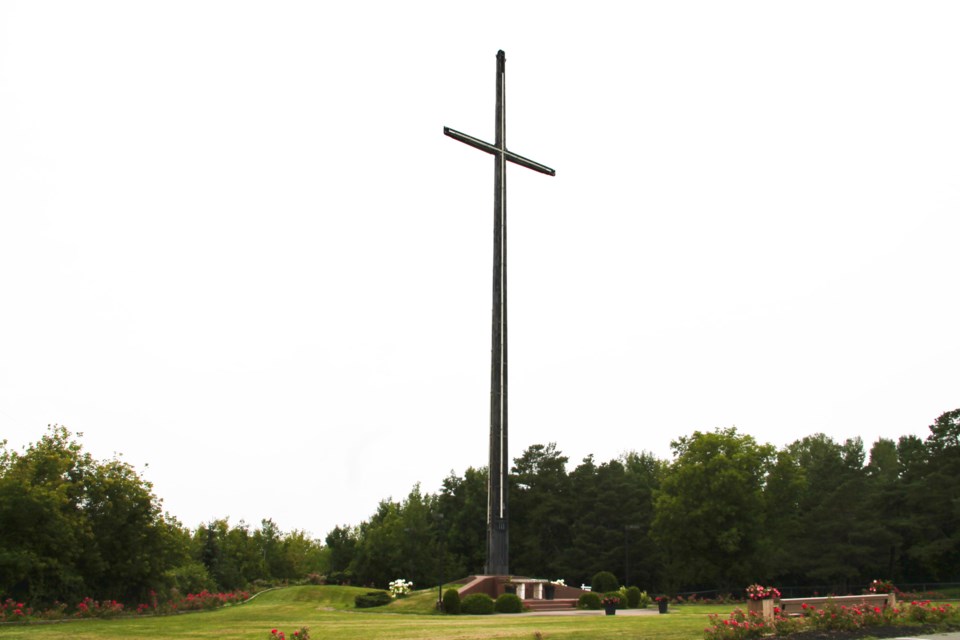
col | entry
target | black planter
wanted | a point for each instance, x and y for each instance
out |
(662, 604)
(611, 610)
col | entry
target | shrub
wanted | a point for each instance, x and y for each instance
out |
(451, 602)
(508, 603)
(316, 578)
(90, 608)
(477, 604)
(372, 599)
(339, 577)
(739, 626)
(191, 577)
(589, 600)
(604, 581)
(927, 612)
(645, 600)
(633, 597)
(786, 625)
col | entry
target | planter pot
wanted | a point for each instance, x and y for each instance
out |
(763, 607)
(662, 605)
(611, 611)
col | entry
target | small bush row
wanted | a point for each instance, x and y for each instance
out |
(480, 604)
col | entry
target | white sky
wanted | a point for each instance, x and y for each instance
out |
(235, 244)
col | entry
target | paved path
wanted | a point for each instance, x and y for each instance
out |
(597, 612)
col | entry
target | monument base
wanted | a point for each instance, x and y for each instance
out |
(536, 593)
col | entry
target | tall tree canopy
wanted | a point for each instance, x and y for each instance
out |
(726, 511)
(709, 509)
(73, 526)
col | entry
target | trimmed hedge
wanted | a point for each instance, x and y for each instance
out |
(508, 603)
(589, 600)
(372, 599)
(604, 581)
(451, 602)
(477, 604)
(633, 597)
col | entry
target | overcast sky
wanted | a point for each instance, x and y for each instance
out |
(235, 244)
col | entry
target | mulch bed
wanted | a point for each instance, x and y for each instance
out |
(870, 632)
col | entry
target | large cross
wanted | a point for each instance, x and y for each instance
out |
(498, 539)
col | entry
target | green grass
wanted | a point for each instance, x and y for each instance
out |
(328, 612)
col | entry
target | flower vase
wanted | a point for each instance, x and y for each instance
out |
(763, 607)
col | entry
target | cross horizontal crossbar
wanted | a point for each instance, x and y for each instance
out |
(476, 143)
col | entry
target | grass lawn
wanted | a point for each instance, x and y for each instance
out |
(328, 612)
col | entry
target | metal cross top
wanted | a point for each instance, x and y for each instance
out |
(498, 538)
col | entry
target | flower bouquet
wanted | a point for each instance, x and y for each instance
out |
(881, 586)
(760, 592)
(399, 588)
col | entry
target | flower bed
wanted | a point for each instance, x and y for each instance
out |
(742, 625)
(13, 611)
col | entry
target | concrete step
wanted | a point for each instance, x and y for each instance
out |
(550, 605)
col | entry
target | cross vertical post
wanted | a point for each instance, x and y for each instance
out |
(498, 533)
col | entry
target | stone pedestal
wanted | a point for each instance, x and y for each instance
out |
(763, 607)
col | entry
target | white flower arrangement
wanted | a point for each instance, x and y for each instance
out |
(559, 582)
(400, 587)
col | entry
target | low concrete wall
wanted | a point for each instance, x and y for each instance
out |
(494, 586)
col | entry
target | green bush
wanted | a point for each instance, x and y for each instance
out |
(372, 599)
(508, 603)
(589, 600)
(604, 581)
(477, 604)
(191, 577)
(451, 602)
(645, 600)
(339, 577)
(633, 597)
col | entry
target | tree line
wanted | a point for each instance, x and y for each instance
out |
(724, 512)
(73, 527)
